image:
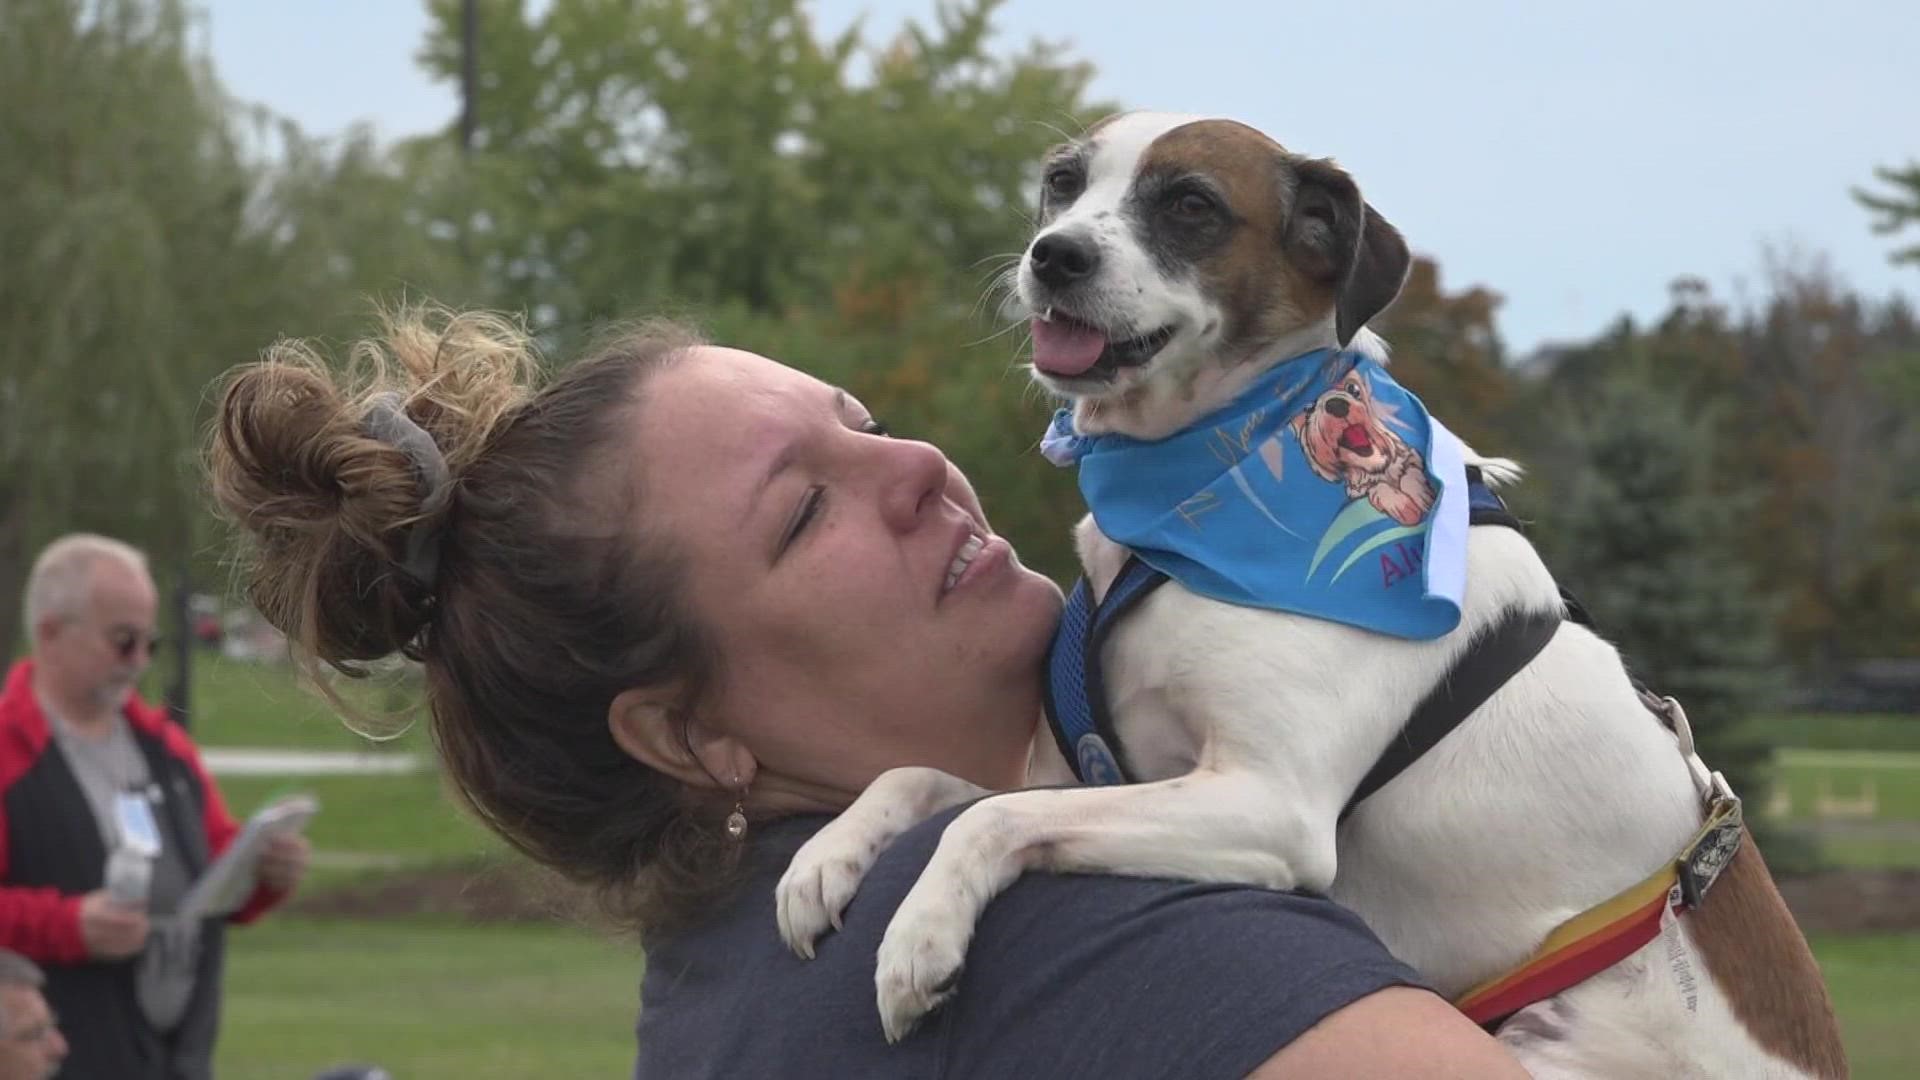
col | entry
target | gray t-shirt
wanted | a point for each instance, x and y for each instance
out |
(1069, 976)
(106, 768)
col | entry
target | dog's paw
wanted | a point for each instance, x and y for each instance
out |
(920, 961)
(819, 884)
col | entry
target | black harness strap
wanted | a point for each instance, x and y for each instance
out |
(1494, 657)
(1076, 692)
(1484, 667)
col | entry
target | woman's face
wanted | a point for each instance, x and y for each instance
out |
(865, 614)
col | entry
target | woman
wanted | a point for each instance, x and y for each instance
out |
(681, 604)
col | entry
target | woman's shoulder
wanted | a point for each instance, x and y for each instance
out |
(1091, 975)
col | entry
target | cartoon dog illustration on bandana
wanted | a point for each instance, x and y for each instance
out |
(1346, 439)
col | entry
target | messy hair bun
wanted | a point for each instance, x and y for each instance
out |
(330, 506)
(541, 603)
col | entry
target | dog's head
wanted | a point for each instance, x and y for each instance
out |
(1168, 244)
(1343, 434)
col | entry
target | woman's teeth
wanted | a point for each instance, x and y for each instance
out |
(960, 560)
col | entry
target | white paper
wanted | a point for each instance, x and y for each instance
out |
(224, 888)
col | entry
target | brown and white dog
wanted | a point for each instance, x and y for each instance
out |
(1175, 258)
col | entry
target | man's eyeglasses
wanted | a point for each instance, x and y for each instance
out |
(125, 641)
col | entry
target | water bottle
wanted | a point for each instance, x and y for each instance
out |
(129, 874)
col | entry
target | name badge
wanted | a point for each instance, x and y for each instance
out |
(138, 830)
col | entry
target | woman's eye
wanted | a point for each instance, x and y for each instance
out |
(803, 516)
(875, 427)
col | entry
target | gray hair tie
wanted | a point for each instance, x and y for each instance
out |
(387, 421)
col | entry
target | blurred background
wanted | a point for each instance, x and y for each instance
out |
(1666, 259)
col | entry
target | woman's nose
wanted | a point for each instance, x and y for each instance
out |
(917, 482)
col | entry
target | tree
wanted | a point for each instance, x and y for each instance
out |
(639, 155)
(1896, 209)
(122, 193)
(836, 204)
(156, 233)
(1447, 350)
(1643, 537)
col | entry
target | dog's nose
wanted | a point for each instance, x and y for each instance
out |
(1338, 407)
(1061, 260)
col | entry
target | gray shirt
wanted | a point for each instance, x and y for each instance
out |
(1069, 976)
(106, 768)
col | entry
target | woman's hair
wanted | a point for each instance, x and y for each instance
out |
(548, 595)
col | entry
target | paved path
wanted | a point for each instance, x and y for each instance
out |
(1849, 759)
(234, 761)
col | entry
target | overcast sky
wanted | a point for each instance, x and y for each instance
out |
(1574, 158)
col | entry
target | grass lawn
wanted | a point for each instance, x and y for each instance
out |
(1891, 777)
(1875, 980)
(1835, 731)
(367, 823)
(435, 1000)
(427, 1000)
(236, 704)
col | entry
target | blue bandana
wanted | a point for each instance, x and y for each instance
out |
(1324, 490)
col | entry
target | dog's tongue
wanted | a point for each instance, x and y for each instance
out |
(1355, 438)
(1061, 347)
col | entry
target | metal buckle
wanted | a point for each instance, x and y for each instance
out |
(1714, 846)
(1710, 784)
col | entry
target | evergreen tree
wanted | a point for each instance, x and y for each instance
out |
(1642, 537)
(1897, 208)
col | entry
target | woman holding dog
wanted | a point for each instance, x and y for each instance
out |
(676, 608)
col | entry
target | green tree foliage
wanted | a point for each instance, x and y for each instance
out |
(1897, 207)
(156, 233)
(1446, 348)
(1647, 539)
(635, 154)
(839, 205)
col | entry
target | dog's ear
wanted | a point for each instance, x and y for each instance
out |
(1334, 237)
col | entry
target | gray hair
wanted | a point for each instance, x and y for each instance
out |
(57, 585)
(17, 970)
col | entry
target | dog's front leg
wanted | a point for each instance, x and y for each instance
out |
(826, 871)
(1209, 825)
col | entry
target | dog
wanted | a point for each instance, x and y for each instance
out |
(1176, 260)
(1346, 441)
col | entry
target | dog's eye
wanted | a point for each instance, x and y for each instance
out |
(1191, 203)
(1063, 183)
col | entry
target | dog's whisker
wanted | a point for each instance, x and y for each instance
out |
(1011, 255)
(1055, 128)
(1002, 332)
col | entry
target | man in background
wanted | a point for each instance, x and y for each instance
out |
(106, 819)
(30, 1044)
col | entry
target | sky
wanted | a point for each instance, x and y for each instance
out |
(1574, 158)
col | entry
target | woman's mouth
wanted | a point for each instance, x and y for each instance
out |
(962, 559)
(976, 556)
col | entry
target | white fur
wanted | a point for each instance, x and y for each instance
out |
(1250, 729)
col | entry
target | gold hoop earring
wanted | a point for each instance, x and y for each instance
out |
(737, 821)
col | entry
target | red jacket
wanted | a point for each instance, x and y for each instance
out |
(46, 866)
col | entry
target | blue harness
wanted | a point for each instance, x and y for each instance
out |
(1076, 698)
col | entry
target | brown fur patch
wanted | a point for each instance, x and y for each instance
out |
(1263, 293)
(1758, 958)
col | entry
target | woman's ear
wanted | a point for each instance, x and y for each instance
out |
(652, 727)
